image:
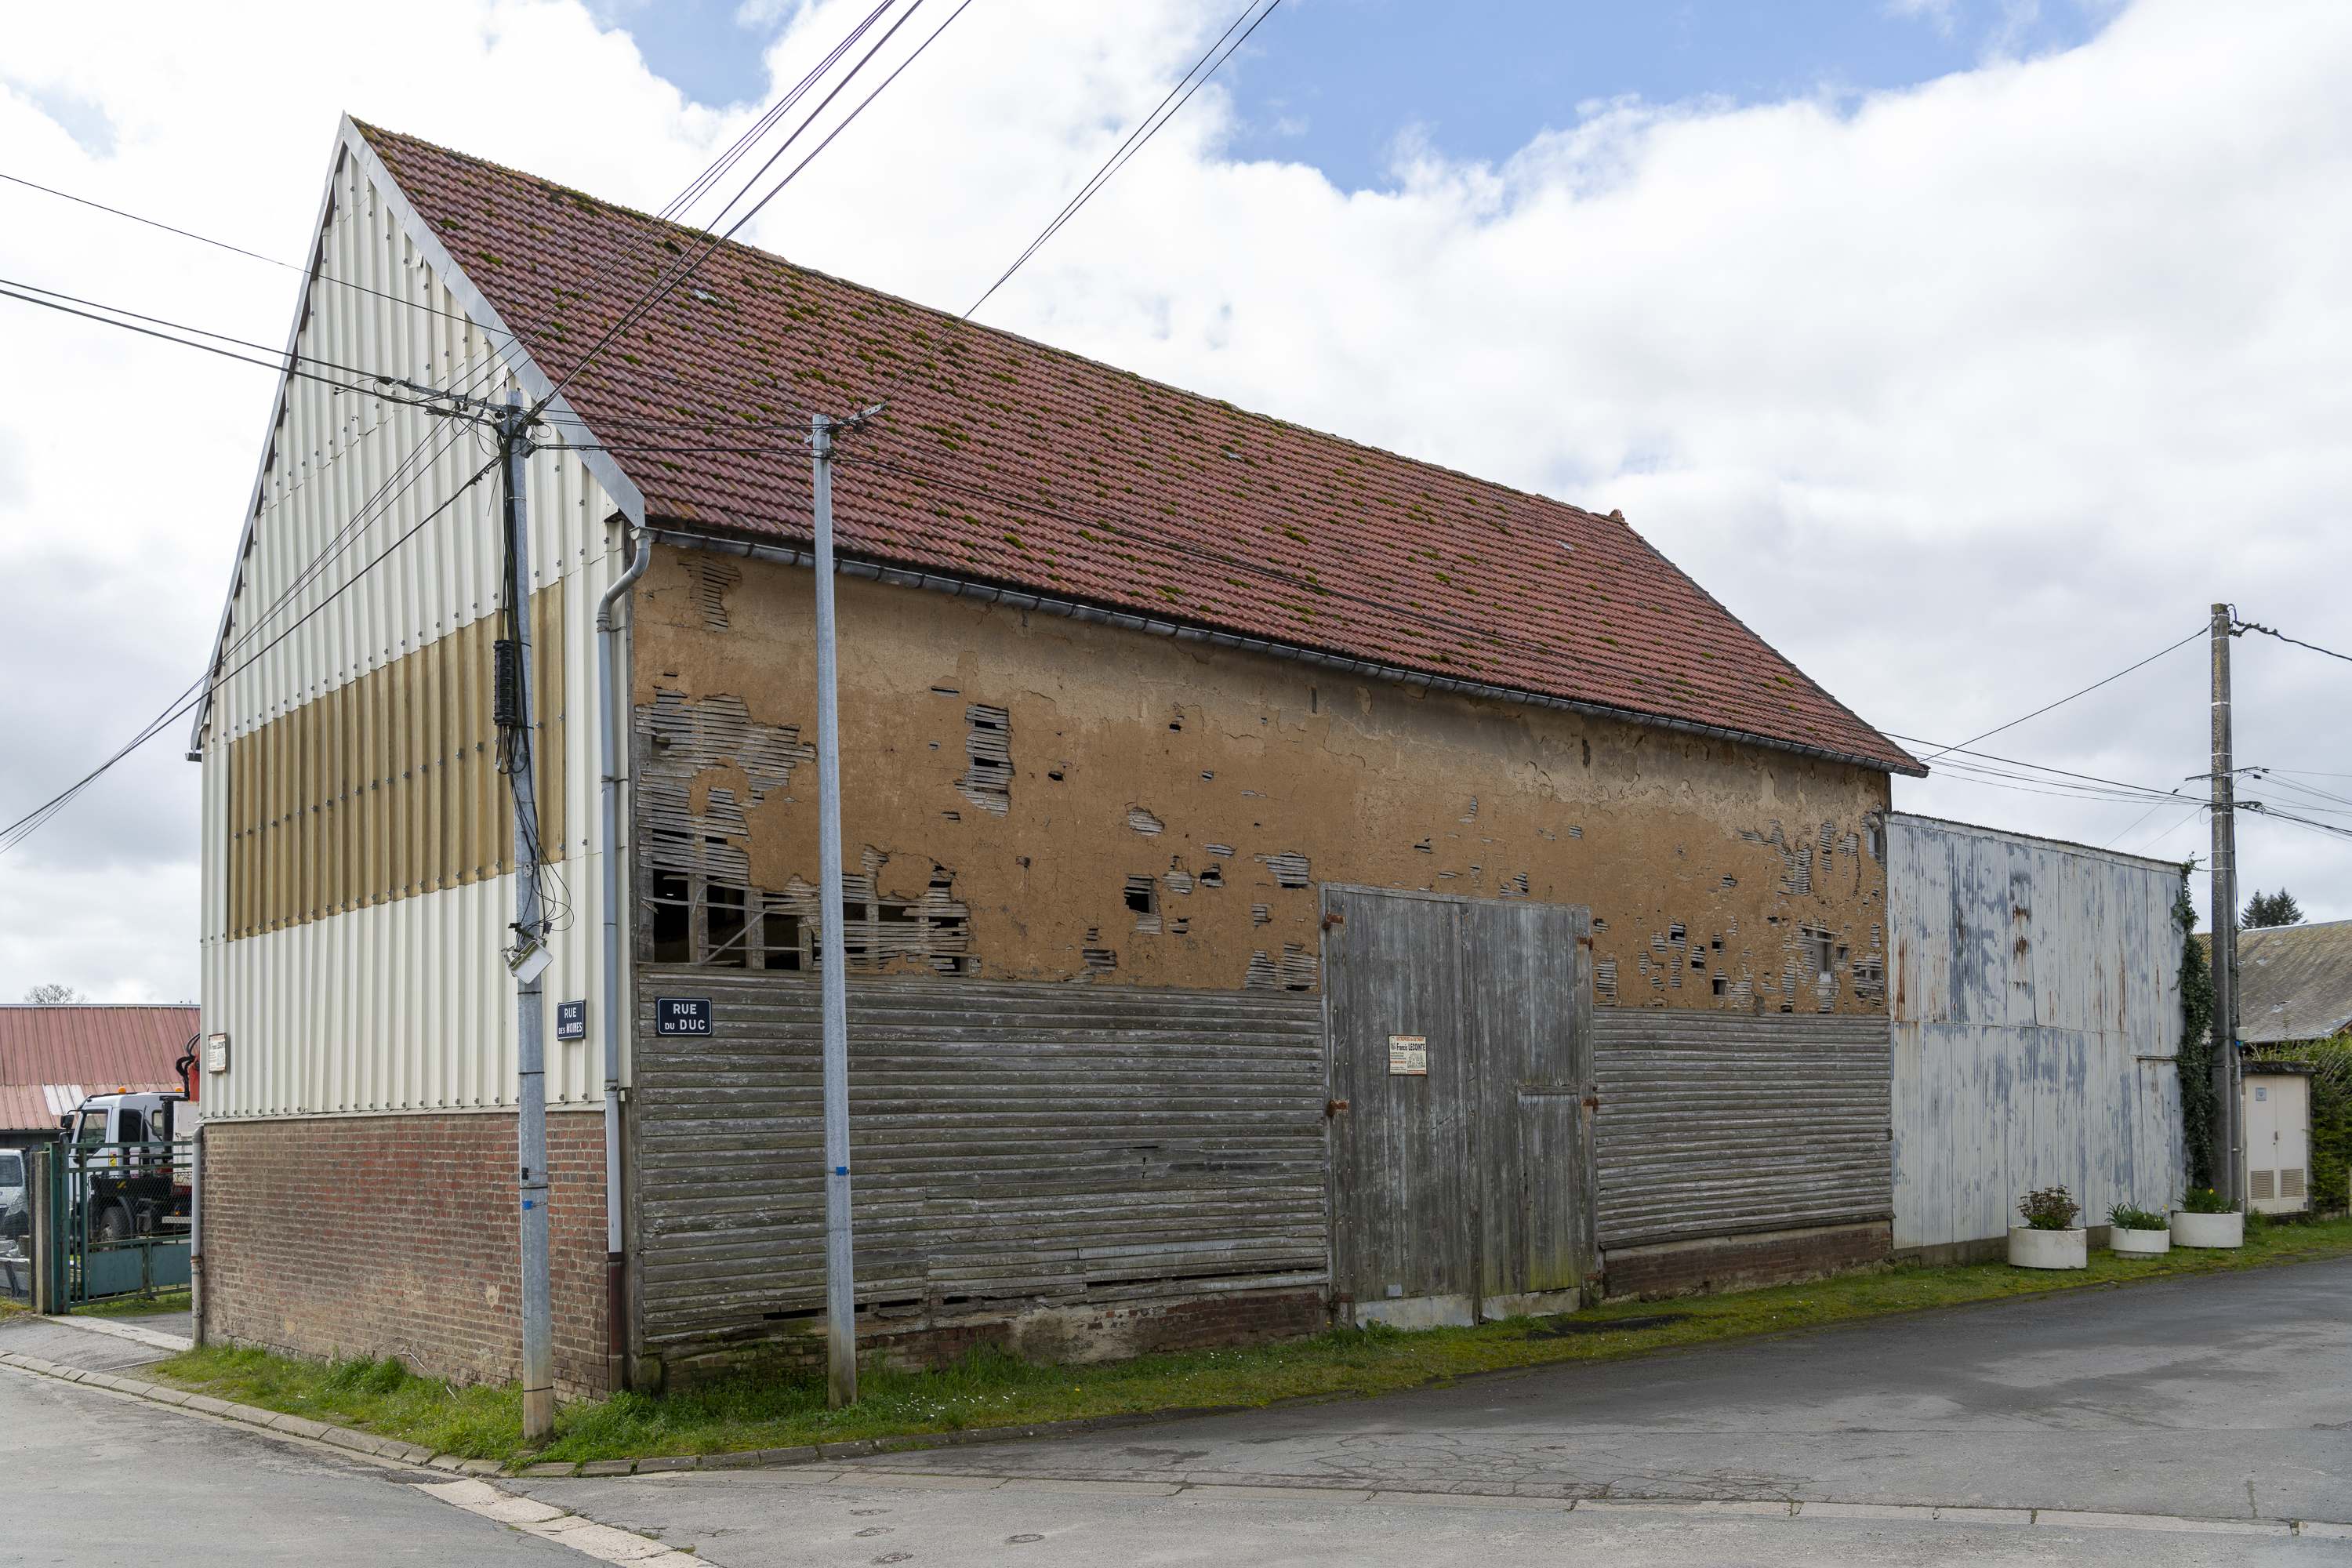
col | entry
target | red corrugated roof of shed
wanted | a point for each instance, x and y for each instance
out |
(1006, 461)
(97, 1045)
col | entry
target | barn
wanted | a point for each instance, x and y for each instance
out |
(1288, 882)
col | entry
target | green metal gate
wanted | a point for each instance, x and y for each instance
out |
(119, 1220)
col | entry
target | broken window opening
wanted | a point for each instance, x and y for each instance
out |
(1720, 982)
(1212, 876)
(987, 779)
(671, 901)
(1143, 899)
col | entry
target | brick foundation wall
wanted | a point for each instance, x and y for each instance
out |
(1108, 1332)
(399, 1235)
(1742, 1262)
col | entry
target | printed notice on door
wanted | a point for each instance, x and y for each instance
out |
(1408, 1056)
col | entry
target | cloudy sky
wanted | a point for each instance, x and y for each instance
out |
(1967, 351)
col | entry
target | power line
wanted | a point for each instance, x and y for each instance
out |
(312, 274)
(1189, 83)
(16, 832)
(279, 365)
(675, 208)
(2037, 767)
(134, 217)
(2037, 713)
(663, 288)
(2241, 627)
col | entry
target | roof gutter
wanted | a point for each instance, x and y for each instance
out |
(1128, 620)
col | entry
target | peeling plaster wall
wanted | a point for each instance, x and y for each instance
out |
(1100, 805)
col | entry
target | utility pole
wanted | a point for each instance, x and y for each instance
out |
(528, 958)
(2228, 1113)
(840, 1276)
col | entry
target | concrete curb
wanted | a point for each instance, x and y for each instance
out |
(611, 1546)
(268, 1420)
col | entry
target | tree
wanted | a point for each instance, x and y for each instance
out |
(2277, 908)
(2194, 1062)
(53, 992)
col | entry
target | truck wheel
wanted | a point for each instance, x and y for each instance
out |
(113, 1223)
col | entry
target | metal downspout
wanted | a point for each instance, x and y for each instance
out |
(608, 683)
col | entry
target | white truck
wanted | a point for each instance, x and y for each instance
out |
(132, 1191)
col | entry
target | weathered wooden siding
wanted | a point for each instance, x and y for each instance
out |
(1720, 1124)
(2037, 1015)
(1049, 1144)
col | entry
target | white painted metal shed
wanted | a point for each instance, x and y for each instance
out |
(2036, 1013)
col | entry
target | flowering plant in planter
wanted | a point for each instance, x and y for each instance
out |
(2048, 1209)
(2206, 1218)
(2135, 1232)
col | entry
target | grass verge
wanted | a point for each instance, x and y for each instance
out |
(993, 1389)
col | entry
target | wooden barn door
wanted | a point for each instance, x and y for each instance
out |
(1460, 1046)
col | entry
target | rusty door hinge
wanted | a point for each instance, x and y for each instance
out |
(1584, 942)
(1333, 1107)
(1334, 918)
(1591, 1102)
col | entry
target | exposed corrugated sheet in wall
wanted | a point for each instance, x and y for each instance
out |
(1719, 1123)
(89, 1042)
(2037, 1011)
(402, 1004)
(1048, 1145)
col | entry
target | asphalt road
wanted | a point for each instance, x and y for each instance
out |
(2224, 1399)
(95, 1478)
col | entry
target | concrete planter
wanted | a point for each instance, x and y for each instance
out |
(2139, 1243)
(2208, 1229)
(2031, 1248)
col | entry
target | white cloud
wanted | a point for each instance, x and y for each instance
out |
(1965, 396)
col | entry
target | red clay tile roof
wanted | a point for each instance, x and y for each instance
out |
(1003, 460)
(84, 1047)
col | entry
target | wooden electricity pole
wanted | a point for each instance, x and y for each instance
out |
(2227, 1113)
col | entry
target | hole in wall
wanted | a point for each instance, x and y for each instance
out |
(987, 779)
(1289, 869)
(1143, 822)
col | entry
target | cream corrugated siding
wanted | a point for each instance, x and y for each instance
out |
(402, 1005)
(2037, 1009)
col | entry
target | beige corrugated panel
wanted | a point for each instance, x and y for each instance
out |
(2037, 1012)
(351, 947)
